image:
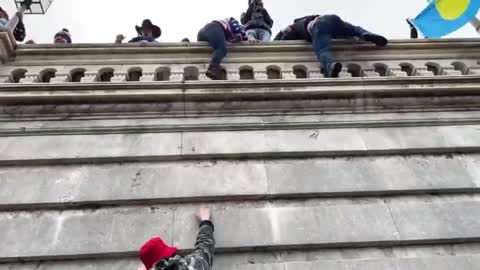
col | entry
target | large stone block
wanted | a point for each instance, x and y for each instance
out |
(370, 175)
(436, 220)
(432, 263)
(278, 143)
(292, 226)
(89, 146)
(64, 186)
(80, 233)
(416, 263)
(123, 183)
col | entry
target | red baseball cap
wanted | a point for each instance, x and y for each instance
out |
(155, 250)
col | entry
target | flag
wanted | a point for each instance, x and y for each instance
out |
(442, 17)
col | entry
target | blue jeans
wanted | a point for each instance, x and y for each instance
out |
(327, 28)
(259, 34)
(214, 35)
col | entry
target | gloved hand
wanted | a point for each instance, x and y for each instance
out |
(237, 38)
(252, 40)
(119, 38)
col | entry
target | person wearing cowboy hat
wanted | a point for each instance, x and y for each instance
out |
(148, 32)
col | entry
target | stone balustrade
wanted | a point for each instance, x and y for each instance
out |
(179, 62)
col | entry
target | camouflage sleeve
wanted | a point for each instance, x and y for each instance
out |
(202, 257)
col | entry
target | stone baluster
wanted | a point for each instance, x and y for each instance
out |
(370, 73)
(119, 77)
(288, 75)
(5, 79)
(89, 77)
(473, 71)
(344, 73)
(260, 75)
(450, 71)
(315, 74)
(60, 78)
(233, 75)
(176, 76)
(29, 79)
(147, 77)
(398, 72)
(423, 72)
(203, 77)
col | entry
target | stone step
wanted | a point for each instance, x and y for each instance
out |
(242, 226)
(59, 149)
(420, 263)
(417, 253)
(56, 125)
(167, 182)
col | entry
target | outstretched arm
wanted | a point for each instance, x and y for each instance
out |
(205, 245)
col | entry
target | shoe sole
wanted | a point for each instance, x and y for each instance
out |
(337, 68)
(211, 76)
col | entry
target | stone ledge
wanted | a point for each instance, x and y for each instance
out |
(277, 46)
(130, 184)
(68, 149)
(115, 124)
(119, 232)
(435, 262)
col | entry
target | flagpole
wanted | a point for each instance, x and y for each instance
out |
(476, 24)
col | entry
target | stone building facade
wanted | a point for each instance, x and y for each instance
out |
(103, 146)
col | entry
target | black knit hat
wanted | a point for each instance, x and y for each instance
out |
(65, 34)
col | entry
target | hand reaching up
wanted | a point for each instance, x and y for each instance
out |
(203, 214)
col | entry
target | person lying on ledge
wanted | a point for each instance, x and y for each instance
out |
(157, 255)
(320, 30)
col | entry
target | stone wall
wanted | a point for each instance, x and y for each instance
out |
(377, 170)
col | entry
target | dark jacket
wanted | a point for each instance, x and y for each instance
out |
(140, 38)
(200, 259)
(257, 19)
(19, 32)
(299, 27)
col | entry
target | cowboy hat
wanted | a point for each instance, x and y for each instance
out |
(156, 31)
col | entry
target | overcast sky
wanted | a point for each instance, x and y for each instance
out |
(99, 21)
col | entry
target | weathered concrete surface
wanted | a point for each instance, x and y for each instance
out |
(378, 174)
(420, 263)
(92, 124)
(420, 221)
(348, 141)
(77, 233)
(244, 226)
(124, 183)
(337, 224)
(89, 146)
(437, 263)
(292, 226)
(63, 186)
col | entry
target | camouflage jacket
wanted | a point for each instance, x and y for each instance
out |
(200, 259)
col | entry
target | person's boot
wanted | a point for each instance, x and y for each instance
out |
(27, 3)
(333, 70)
(378, 40)
(214, 72)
